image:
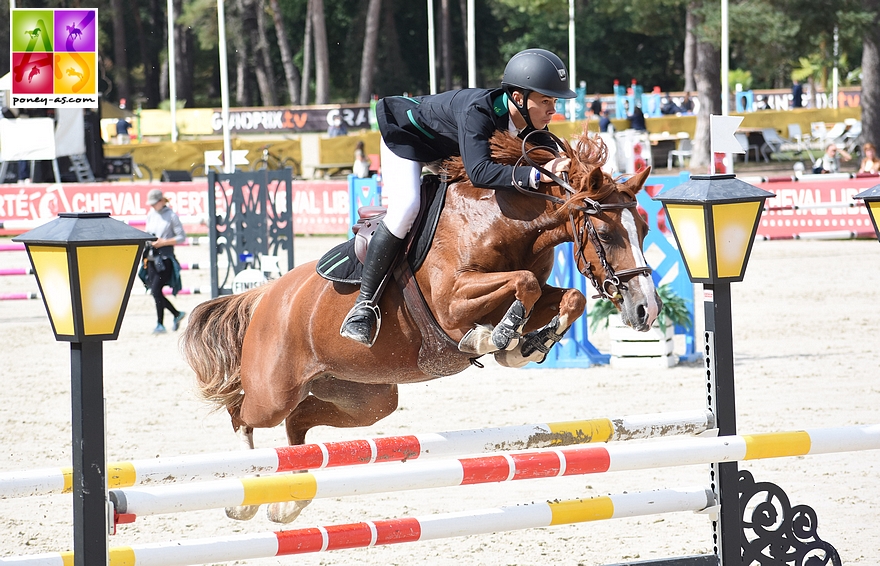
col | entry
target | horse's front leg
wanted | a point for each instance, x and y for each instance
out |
(553, 315)
(478, 296)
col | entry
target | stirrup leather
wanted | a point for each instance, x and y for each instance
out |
(374, 309)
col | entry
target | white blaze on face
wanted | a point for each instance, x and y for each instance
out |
(644, 281)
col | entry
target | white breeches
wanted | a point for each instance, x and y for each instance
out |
(401, 184)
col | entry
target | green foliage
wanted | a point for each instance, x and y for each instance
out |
(674, 310)
(740, 77)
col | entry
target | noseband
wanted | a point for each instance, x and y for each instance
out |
(614, 281)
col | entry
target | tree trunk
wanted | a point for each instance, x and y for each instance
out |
(371, 42)
(690, 48)
(243, 61)
(871, 75)
(708, 80)
(307, 54)
(291, 73)
(250, 24)
(120, 55)
(267, 85)
(184, 58)
(446, 44)
(150, 61)
(322, 55)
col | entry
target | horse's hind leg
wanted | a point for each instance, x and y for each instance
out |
(244, 512)
(336, 403)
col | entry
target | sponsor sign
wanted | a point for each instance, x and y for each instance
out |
(319, 207)
(54, 58)
(293, 119)
(783, 220)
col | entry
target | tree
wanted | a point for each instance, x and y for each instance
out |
(322, 55)
(871, 74)
(291, 73)
(707, 76)
(368, 58)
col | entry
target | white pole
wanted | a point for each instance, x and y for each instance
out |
(432, 53)
(725, 81)
(571, 66)
(472, 45)
(228, 167)
(172, 77)
(725, 60)
(834, 73)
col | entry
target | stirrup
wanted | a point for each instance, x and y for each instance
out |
(371, 309)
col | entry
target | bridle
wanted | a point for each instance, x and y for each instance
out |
(614, 280)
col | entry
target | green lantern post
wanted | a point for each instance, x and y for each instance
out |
(714, 219)
(85, 265)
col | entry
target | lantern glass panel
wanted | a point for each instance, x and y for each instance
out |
(105, 272)
(689, 222)
(53, 271)
(734, 223)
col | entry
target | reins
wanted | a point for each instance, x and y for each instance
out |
(610, 287)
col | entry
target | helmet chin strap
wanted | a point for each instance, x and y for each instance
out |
(523, 111)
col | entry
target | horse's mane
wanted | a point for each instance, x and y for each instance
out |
(587, 155)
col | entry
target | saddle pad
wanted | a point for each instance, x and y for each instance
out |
(340, 264)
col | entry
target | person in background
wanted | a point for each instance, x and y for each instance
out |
(337, 127)
(870, 161)
(797, 94)
(687, 105)
(605, 124)
(637, 120)
(361, 167)
(830, 162)
(123, 126)
(669, 106)
(162, 266)
(596, 106)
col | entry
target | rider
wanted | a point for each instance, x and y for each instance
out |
(428, 129)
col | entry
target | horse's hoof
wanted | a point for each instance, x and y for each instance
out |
(511, 359)
(477, 340)
(243, 512)
(506, 335)
(286, 512)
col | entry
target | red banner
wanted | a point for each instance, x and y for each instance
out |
(319, 207)
(793, 212)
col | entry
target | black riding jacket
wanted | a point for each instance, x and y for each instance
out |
(459, 122)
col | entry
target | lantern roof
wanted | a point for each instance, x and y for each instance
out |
(716, 189)
(82, 229)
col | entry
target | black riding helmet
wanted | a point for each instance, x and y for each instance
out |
(535, 70)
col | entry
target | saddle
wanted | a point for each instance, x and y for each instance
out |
(439, 355)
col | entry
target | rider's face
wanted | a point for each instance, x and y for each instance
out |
(541, 109)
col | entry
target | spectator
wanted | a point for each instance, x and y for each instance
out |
(361, 167)
(687, 105)
(605, 124)
(830, 162)
(637, 120)
(870, 163)
(596, 106)
(337, 127)
(797, 94)
(122, 131)
(669, 107)
(162, 266)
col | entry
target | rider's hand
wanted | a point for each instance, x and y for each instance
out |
(557, 166)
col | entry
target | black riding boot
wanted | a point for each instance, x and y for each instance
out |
(362, 319)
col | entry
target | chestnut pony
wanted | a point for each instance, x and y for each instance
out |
(274, 353)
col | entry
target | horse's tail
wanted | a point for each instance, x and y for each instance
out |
(212, 344)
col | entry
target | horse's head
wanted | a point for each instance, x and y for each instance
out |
(608, 234)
